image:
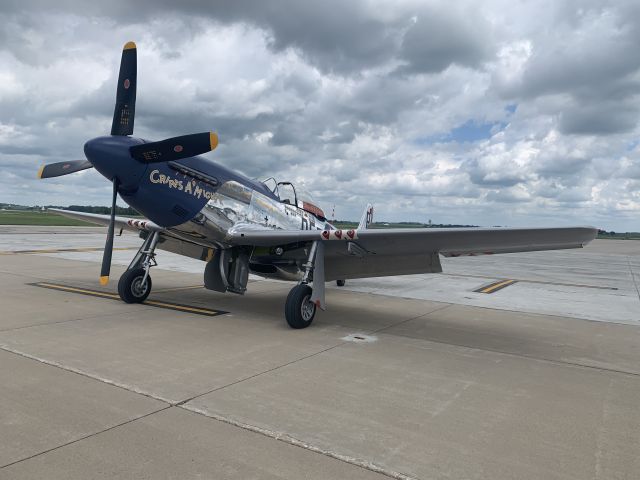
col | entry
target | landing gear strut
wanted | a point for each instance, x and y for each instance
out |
(134, 285)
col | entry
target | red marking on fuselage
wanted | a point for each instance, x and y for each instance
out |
(177, 148)
(127, 84)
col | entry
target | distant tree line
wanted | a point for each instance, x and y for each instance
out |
(103, 210)
(128, 211)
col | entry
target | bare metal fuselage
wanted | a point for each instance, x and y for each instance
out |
(233, 207)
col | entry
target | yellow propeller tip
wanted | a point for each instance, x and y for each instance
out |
(40, 170)
(213, 140)
(104, 280)
(129, 45)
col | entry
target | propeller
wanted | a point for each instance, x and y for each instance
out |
(175, 148)
(63, 168)
(111, 154)
(108, 247)
(125, 111)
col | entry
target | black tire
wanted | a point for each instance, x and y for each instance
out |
(298, 310)
(340, 283)
(129, 287)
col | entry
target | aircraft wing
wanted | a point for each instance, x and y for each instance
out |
(382, 252)
(131, 224)
(447, 241)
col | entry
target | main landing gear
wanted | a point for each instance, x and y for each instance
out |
(134, 285)
(302, 301)
(299, 309)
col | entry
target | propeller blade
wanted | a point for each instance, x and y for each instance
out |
(125, 111)
(63, 168)
(108, 248)
(175, 148)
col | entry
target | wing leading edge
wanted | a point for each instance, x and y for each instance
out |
(448, 242)
(132, 224)
(386, 252)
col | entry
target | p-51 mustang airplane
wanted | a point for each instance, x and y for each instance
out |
(203, 210)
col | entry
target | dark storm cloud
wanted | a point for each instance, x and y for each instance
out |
(599, 118)
(591, 55)
(441, 37)
(334, 35)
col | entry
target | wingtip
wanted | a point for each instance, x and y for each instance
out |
(40, 170)
(104, 280)
(213, 140)
(129, 45)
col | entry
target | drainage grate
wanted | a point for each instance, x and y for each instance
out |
(360, 338)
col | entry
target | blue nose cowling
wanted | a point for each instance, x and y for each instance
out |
(110, 156)
(158, 192)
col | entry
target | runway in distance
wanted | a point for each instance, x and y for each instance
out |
(201, 209)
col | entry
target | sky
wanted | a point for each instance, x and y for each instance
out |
(500, 112)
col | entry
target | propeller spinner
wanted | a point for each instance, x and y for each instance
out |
(120, 158)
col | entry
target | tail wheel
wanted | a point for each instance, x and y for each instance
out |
(340, 283)
(299, 310)
(131, 287)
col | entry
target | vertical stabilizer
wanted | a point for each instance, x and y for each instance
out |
(367, 218)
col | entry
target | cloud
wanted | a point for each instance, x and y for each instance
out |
(507, 114)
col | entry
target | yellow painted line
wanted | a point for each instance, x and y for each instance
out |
(177, 289)
(61, 250)
(184, 308)
(496, 286)
(64, 288)
(155, 303)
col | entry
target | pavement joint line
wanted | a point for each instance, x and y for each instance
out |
(290, 440)
(522, 355)
(342, 343)
(283, 437)
(500, 309)
(84, 317)
(264, 372)
(633, 277)
(382, 329)
(77, 371)
(131, 420)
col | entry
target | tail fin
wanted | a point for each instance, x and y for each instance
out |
(367, 218)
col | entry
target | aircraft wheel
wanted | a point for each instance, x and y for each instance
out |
(340, 283)
(299, 310)
(130, 286)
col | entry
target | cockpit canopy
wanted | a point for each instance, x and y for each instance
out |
(298, 196)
